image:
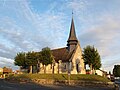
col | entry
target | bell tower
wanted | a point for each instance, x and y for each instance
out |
(72, 40)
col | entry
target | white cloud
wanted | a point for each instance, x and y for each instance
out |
(25, 30)
(7, 62)
(105, 37)
(77, 5)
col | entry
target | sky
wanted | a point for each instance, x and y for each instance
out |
(30, 25)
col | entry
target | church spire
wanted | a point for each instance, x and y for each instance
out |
(72, 40)
(72, 35)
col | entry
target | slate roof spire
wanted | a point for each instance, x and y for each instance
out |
(72, 40)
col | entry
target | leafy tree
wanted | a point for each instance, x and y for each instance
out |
(91, 57)
(20, 59)
(47, 57)
(31, 59)
(34, 59)
(116, 70)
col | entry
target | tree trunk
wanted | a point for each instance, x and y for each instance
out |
(44, 69)
(93, 71)
(30, 69)
(58, 68)
(20, 68)
(38, 67)
(53, 69)
(91, 68)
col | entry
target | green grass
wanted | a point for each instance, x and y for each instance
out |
(82, 77)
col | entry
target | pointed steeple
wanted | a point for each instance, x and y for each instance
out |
(72, 40)
(72, 35)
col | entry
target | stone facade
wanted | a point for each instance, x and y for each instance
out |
(78, 62)
(1, 70)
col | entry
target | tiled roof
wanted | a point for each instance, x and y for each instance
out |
(61, 54)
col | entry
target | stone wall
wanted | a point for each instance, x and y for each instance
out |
(78, 56)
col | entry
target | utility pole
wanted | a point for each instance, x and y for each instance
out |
(69, 72)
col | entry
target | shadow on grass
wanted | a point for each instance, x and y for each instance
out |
(24, 82)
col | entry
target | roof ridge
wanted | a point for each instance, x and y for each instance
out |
(59, 48)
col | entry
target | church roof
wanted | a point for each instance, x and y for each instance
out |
(72, 35)
(61, 54)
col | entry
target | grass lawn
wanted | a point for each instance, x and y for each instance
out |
(83, 77)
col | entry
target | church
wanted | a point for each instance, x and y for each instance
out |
(67, 59)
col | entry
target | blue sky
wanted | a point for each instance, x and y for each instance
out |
(27, 25)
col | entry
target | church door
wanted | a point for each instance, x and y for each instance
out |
(77, 68)
(77, 65)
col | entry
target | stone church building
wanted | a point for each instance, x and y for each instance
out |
(67, 59)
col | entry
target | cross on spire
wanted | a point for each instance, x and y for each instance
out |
(72, 13)
(72, 40)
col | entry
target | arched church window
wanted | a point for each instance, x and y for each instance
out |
(78, 65)
(77, 61)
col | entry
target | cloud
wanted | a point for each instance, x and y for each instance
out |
(26, 30)
(7, 62)
(105, 34)
(77, 5)
(109, 65)
(105, 37)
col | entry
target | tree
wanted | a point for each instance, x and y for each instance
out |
(91, 57)
(47, 57)
(116, 70)
(20, 59)
(31, 60)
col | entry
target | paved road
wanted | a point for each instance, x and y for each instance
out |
(4, 85)
(119, 86)
(118, 82)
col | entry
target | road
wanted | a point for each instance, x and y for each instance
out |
(4, 85)
(118, 82)
(119, 85)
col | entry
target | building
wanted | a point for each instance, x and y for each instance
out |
(1, 70)
(67, 59)
(101, 72)
(7, 70)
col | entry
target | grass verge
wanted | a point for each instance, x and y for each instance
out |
(82, 77)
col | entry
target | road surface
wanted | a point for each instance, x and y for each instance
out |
(4, 85)
(118, 82)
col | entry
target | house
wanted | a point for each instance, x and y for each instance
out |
(1, 70)
(18, 72)
(97, 72)
(101, 72)
(7, 70)
(67, 59)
